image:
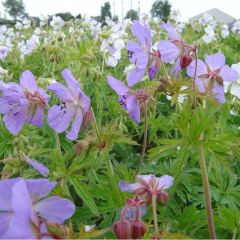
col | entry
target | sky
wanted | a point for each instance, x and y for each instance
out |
(187, 8)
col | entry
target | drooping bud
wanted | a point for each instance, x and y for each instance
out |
(122, 229)
(163, 84)
(87, 118)
(185, 61)
(162, 197)
(138, 229)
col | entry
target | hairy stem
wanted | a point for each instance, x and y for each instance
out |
(144, 139)
(154, 212)
(95, 126)
(58, 145)
(206, 190)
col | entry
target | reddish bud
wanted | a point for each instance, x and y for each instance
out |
(138, 229)
(185, 61)
(162, 197)
(122, 229)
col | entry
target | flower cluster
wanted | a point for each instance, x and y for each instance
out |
(25, 103)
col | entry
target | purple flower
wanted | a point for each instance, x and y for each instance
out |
(210, 76)
(42, 169)
(175, 50)
(127, 98)
(75, 104)
(140, 54)
(147, 185)
(21, 103)
(24, 207)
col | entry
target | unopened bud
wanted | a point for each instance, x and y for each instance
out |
(138, 229)
(185, 61)
(122, 229)
(162, 197)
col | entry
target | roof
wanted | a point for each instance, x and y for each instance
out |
(219, 16)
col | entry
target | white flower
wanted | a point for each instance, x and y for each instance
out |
(209, 34)
(43, 20)
(2, 72)
(3, 52)
(56, 22)
(180, 27)
(18, 26)
(181, 97)
(224, 33)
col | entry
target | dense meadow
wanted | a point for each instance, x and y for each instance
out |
(119, 131)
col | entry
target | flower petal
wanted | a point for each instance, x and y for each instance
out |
(41, 168)
(61, 92)
(134, 76)
(59, 117)
(176, 68)
(5, 218)
(173, 34)
(28, 81)
(168, 50)
(165, 182)
(55, 209)
(215, 61)
(37, 119)
(76, 124)
(133, 108)
(218, 92)
(202, 85)
(128, 187)
(228, 74)
(201, 68)
(119, 87)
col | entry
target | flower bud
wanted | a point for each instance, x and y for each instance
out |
(122, 229)
(162, 197)
(138, 229)
(185, 61)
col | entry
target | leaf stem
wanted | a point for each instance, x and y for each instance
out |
(95, 126)
(154, 212)
(144, 139)
(206, 190)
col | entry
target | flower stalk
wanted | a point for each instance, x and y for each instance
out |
(154, 211)
(144, 138)
(206, 190)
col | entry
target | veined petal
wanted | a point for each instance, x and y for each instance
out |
(41, 168)
(201, 68)
(5, 218)
(133, 108)
(173, 34)
(165, 182)
(61, 92)
(37, 119)
(218, 92)
(202, 85)
(168, 50)
(55, 209)
(228, 74)
(144, 178)
(119, 87)
(176, 68)
(76, 124)
(128, 187)
(60, 117)
(134, 76)
(28, 81)
(215, 61)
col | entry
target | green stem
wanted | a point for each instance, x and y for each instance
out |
(58, 145)
(144, 139)
(95, 126)
(206, 190)
(154, 212)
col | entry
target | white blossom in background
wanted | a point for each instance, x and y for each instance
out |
(3, 72)
(234, 87)
(3, 30)
(236, 27)
(209, 35)
(3, 52)
(57, 23)
(144, 18)
(175, 15)
(27, 47)
(180, 26)
(224, 32)
(18, 25)
(43, 20)
(26, 23)
(181, 97)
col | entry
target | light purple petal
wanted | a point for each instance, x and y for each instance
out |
(145, 178)
(134, 76)
(55, 209)
(133, 108)
(28, 81)
(14, 123)
(173, 34)
(6, 193)
(76, 124)
(165, 182)
(176, 68)
(201, 68)
(39, 188)
(128, 187)
(168, 50)
(218, 92)
(228, 74)
(152, 71)
(215, 61)
(59, 118)
(41, 168)
(61, 92)
(119, 87)
(202, 85)
(37, 119)
(5, 218)
(85, 102)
